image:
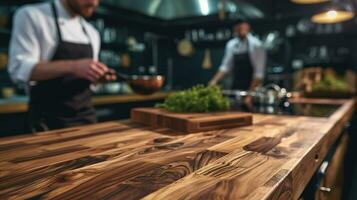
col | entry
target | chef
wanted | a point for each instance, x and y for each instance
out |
(244, 57)
(54, 53)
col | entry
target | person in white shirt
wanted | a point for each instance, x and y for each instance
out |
(54, 52)
(245, 57)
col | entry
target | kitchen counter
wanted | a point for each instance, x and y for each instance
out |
(19, 104)
(272, 159)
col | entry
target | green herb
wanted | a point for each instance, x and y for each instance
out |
(196, 99)
(331, 84)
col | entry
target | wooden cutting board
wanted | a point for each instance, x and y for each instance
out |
(189, 122)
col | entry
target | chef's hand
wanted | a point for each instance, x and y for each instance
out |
(110, 75)
(212, 83)
(91, 70)
(248, 102)
(217, 77)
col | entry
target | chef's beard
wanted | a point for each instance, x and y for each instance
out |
(241, 37)
(81, 9)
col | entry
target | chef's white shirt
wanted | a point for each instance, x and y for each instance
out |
(34, 37)
(257, 55)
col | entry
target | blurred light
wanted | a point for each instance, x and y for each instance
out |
(331, 14)
(204, 6)
(286, 104)
(335, 14)
(154, 6)
(309, 1)
(232, 7)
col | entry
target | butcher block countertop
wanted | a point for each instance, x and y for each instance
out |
(272, 159)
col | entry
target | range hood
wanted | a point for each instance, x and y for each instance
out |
(177, 9)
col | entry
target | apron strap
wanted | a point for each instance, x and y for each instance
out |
(54, 11)
(58, 30)
(85, 32)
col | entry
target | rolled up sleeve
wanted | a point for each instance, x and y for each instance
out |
(227, 62)
(24, 51)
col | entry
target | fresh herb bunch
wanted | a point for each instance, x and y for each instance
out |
(331, 83)
(196, 99)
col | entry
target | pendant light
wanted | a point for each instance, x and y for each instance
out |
(335, 13)
(309, 1)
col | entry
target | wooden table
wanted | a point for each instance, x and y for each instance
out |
(20, 107)
(272, 159)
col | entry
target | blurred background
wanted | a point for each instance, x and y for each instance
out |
(185, 41)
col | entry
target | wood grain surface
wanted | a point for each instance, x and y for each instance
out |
(272, 159)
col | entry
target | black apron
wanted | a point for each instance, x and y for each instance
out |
(65, 101)
(242, 71)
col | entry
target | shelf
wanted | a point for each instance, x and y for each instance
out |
(330, 61)
(325, 36)
(114, 46)
(210, 44)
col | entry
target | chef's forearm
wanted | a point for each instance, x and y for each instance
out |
(50, 70)
(255, 83)
(217, 77)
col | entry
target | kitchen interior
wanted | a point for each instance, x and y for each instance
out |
(295, 141)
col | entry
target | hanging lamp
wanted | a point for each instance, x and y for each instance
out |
(309, 1)
(336, 12)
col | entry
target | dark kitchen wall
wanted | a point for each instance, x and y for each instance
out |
(301, 44)
(126, 24)
(314, 44)
(188, 70)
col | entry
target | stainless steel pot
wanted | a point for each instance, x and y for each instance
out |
(237, 95)
(270, 94)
